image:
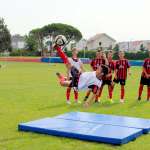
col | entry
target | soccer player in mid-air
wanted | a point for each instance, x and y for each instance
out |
(95, 63)
(121, 69)
(76, 62)
(145, 78)
(82, 81)
(107, 80)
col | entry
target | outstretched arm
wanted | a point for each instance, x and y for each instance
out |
(63, 56)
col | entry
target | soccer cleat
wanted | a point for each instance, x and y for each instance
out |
(111, 101)
(121, 100)
(60, 76)
(148, 100)
(85, 98)
(97, 101)
(68, 102)
(139, 98)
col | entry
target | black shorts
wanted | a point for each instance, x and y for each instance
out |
(75, 77)
(94, 88)
(121, 81)
(145, 81)
(107, 82)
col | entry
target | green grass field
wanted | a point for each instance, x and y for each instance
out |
(30, 91)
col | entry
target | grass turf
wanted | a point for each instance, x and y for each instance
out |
(30, 91)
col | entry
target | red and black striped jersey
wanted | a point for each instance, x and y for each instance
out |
(95, 63)
(146, 66)
(111, 68)
(121, 68)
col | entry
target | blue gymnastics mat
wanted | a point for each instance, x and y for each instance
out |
(122, 121)
(82, 130)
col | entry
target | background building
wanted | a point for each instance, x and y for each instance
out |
(106, 40)
(17, 41)
(82, 44)
(134, 45)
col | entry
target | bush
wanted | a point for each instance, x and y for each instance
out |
(25, 53)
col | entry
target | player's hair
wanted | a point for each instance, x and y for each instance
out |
(74, 49)
(99, 50)
(110, 51)
(105, 69)
(121, 51)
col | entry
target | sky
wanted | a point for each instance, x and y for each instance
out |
(121, 19)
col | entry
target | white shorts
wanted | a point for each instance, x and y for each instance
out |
(82, 82)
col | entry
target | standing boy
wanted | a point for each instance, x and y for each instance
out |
(108, 79)
(95, 63)
(145, 78)
(122, 68)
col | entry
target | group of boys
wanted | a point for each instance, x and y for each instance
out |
(107, 72)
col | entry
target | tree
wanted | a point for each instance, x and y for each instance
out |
(68, 31)
(142, 48)
(116, 48)
(5, 37)
(51, 30)
(31, 43)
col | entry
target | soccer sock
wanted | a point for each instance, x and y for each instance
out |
(122, 92)
(87, 95)
(68, 93)
(75, 95)
(148, 93)
(61, 54)
(96, 98)
(140, 90)
(110, 90)
(99, 95)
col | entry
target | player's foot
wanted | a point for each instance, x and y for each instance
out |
(148, 100)
(60, 76)
(68, 102)
(86, 104)
(97, 101)
(85, 98)
(111, 101)
(121, 100)
(139, 98)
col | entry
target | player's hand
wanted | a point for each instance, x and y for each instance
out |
(108, 75)
(115, 76)
(129, 73)
(104, 56)
(86, 104)
(147, 76)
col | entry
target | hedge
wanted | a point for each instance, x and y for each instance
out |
(25, 53)
(88, 54)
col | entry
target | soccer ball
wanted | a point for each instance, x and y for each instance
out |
(60, 40)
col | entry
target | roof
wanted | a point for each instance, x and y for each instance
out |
(100, 35)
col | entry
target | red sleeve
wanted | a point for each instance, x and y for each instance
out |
(92, 63)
